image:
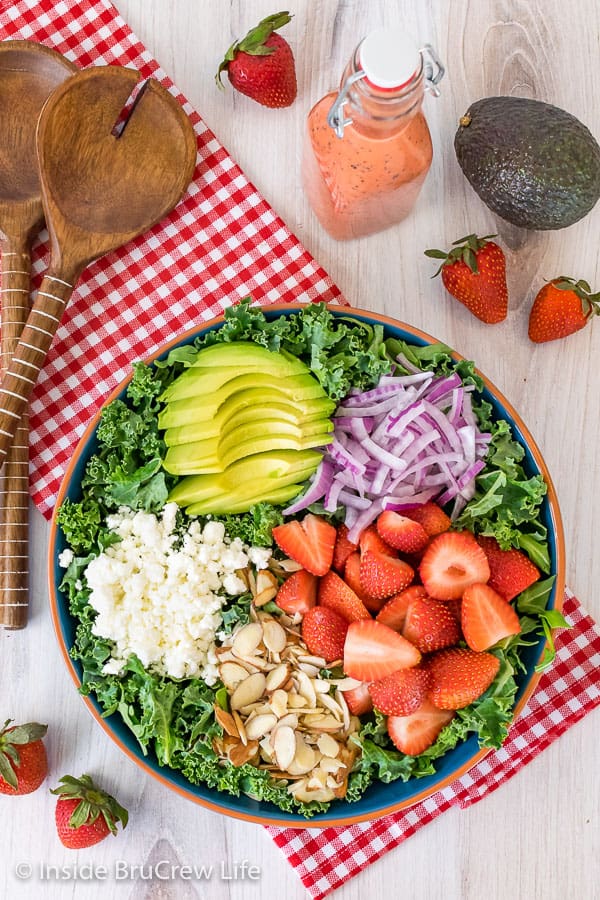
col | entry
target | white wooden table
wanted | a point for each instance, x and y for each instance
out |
(539, 835)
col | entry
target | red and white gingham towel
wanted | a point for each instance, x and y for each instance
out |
(326, 858)
(222, 243)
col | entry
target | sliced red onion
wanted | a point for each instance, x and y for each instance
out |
(410, 439)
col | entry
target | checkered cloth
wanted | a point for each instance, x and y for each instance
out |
(326, 858)
(222, 243)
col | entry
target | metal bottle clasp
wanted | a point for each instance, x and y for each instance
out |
(434, 69)
(433, 73)
(335, 116)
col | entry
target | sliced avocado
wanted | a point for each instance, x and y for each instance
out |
(189, 459)
(259, 474)
(533, 164)
(292, 389)
(254, 429)
(245, 355)
(242, 408)
(231, 503)
(227, 361)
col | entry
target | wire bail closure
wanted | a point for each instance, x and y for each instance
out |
(434, 71)
(335, 116)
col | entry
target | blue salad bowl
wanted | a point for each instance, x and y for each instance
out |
(379, 799)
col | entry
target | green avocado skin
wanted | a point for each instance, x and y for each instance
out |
(531, 163)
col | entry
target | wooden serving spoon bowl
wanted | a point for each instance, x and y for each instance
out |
(29, 72)
(101, 187)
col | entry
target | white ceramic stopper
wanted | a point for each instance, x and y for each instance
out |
(389, 57)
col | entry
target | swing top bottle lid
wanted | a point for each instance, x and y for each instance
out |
(389, 57)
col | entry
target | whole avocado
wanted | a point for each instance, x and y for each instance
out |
(533, 164)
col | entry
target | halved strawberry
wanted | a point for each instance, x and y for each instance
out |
(334, 593)
(459, 676)
(359, 700)
(431, 516)
(415, 733)
(430, 625)
(373, 650)
(352, 579)
(324, 633)
(452, 562)
(400, 693)
(486, 617)
(298, 593)
(511, 571)
(381, 575)
(343, 548)
(393, 612)
(309, 542)
(370, 539)
(401, 533)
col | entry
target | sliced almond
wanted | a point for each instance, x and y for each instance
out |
(248, 691)
(278, 676)
(311, 671)
(328, 746)
(253, 663)
(317, 780)
(326, 723)
(306, 689)
(331, 705)
(241, 753)
(346, 684)
(261, 725)
(252, 708)
(288, 565)
(247, 639)
(266, 580)
(231, 673)
(295, 701)
(305, 758)
(251, 582)
(291, 719)
(339, 696)
(274, 636)
(284, 746)
(331, 765)
(279, 703)
(302, 792)
(317, 661)
(321, 686)
(240, 727)
(226, 721)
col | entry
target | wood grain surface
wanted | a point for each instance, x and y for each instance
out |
(538, 836)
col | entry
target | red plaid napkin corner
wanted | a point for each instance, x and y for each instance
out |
(326, 858)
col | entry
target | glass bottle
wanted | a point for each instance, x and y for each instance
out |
(367, 148)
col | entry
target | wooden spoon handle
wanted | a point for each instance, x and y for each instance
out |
(14, 499)
(30, 354)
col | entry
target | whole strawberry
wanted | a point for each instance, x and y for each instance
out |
(23, 761)
(261, 66)
(85, 814)
(562, 307)
(474, 272)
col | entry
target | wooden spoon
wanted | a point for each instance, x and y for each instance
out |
(29, 72)
(100, 189)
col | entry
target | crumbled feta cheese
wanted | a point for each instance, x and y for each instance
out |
(159, 593)
(66, 558)
(259, 556)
